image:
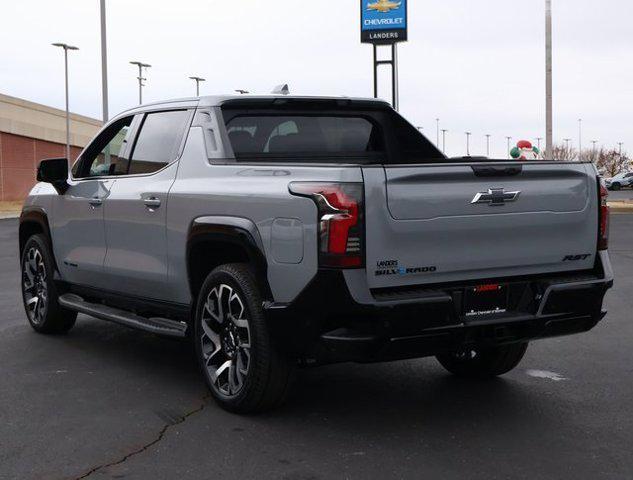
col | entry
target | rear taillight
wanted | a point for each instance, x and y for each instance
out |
(603, 218)
(340, 220)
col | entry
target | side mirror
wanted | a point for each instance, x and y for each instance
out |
(55, 172)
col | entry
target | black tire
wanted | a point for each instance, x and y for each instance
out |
(258, 377)
(484, 362)
(39, 292)
(616, 186)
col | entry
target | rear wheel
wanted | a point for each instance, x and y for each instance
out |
(39, 291)
(484, 362)
(242, 367)
(616, 186)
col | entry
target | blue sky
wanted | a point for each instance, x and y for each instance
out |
(478, 66)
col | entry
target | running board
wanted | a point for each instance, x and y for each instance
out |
(161, 326)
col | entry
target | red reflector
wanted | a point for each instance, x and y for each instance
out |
(487, 288)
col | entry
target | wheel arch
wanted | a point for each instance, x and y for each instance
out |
(216, 240)
(34, 220)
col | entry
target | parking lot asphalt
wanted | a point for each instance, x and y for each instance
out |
(108, 402)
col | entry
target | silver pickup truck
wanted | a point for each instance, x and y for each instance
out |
(277, 231)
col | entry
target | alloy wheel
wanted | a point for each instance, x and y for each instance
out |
(225, 339)
(34, 285)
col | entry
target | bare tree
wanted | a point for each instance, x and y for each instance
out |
(610, 162)
(563, 153)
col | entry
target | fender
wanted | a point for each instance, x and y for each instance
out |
(237, 231)
(30, 216)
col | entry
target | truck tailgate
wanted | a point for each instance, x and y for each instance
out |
(455, 222)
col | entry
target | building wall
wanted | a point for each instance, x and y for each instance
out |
(19, 159)
(30, 132)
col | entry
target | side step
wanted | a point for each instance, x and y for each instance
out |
(161, 326)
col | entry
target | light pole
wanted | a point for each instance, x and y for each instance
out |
(508, 152)
(567, 140)
(620, 151)
(140, 77)
(468, 134)
(488, 145)
(198, 80)
(437, 138)
(538, 143)
(549, 135)
(104, 64)
(444, 140)
(580, 139)
(66, 47)
(594, 149)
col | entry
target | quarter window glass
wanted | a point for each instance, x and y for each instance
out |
(158, 141)
(103, 156)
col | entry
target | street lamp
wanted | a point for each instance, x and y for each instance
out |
(444, 140)
(567, 140)
(198, 80)
(488, 145)
(538, 143)
(140, 77)
(66, 47)
(508, 153)
(468, 134)
(620, 145)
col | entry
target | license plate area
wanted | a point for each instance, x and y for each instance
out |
(487, 300)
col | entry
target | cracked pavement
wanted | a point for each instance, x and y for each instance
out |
(106, 402)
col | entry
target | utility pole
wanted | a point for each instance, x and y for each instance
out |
(468, 134)
(580, 139)
(141, 79)
(437, 141)
(488, 145)
(549, 133)
(66, 47)
(444, 140)
(508, 152)
(104, 64)
(197, 80)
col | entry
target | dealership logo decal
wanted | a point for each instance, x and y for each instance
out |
(383, 6)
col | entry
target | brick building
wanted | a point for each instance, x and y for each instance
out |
(30, 132)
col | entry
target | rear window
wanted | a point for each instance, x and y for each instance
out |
(310, 135)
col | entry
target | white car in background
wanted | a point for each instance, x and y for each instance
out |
(621, 180)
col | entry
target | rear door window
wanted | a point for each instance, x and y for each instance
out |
(158, 141)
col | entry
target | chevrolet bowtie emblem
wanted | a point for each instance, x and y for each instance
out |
(496, 197)
(383, 6)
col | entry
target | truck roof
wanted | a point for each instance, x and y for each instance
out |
(219, 100)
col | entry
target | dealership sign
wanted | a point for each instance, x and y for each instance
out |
(383, 21)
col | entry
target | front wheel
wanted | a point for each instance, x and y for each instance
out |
(244, 370)
(39, 291)
(483, 362)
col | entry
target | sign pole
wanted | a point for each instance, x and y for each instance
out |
(394, 76)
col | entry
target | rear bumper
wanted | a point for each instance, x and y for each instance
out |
(327, 324)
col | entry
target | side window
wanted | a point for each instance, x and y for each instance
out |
(103, 156)
(158, 142)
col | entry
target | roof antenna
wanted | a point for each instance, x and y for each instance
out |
(281, 89)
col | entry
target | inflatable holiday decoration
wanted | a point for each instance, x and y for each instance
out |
(525, 151)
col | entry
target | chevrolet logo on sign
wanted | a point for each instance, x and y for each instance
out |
(383, 6)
